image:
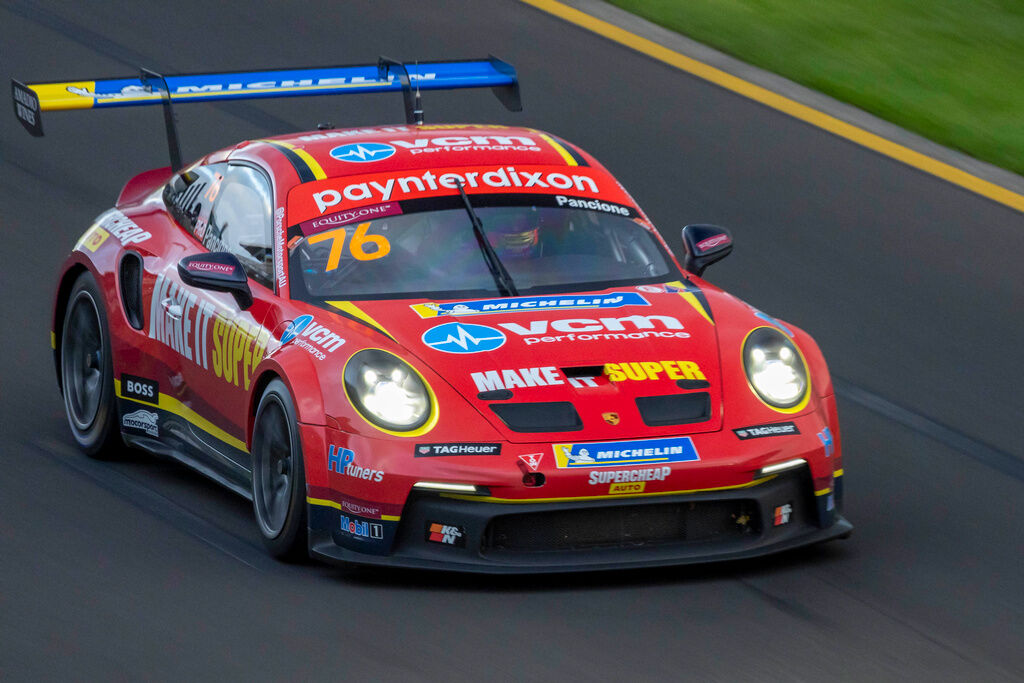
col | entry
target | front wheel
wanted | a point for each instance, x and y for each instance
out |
(278, 475)
(86, 369)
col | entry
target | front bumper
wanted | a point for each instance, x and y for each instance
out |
(463, 533)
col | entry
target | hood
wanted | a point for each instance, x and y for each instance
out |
(623, 362)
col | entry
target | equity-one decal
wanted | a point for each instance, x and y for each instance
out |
(231, 346)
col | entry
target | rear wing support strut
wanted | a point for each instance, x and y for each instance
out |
(173, 146)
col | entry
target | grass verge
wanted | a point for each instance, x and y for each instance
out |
(950, 70)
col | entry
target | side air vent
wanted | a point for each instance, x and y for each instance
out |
(674, 409)
(131, 288)
(555, 416)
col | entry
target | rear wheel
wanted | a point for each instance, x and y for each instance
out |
(87, 378)
(279, 476)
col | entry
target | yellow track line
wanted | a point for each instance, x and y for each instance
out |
(922, 162)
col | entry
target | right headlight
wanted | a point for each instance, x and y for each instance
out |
(776, 371)
(387, 391)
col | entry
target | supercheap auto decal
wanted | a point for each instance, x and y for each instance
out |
(310, 201)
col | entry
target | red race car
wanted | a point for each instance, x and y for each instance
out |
(442, 346)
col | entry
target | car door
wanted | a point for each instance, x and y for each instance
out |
(220, 343)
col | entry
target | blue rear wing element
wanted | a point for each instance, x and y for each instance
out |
(150, 88)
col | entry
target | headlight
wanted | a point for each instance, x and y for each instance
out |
(387, 391)
(775, 369)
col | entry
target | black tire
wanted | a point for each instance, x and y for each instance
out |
(279, 476)
(87, 378)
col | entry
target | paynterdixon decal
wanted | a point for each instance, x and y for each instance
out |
(614, 453)
(527, 304)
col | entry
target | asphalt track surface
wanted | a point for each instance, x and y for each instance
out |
(912, 287)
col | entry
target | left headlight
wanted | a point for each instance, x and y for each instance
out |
(775, 369)
(387, 390)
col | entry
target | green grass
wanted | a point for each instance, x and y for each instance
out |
(951, 70)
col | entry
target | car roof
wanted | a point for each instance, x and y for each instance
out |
(355, 151)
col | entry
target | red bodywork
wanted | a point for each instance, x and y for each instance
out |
(211, 368)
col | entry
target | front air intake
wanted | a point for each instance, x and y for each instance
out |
(674, 409)
(555, 416)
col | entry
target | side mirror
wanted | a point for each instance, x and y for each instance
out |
(219, 271)
(705, 244)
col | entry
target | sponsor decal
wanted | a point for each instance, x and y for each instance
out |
(26, 108)
(830, 503)
(825, 437)
(712, 242)
(424, 450)
(343, 461)
(94, 238)
(123, 228)
(388, 186)
(359, 508)
(469, 143)
(143, 421)
(361, 529)
(279, 255)
(592, 204)
(761, 431)
(529, 303)
(363, 152)
(140, 388)
(600, 329)
(336, 220)
(494, 380)
(354, 132)
(211, 267)
(304, 328)
(660, 289)
(773, 321)
(231, 346)
(629, 487)
(532, 460)
(599, 477)
(610, 418)
(612, 453)
(648, 370)
(782, 514)
(448, 534)
(463, 338)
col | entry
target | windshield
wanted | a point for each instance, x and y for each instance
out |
(435, 252)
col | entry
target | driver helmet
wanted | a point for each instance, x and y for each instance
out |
(514, 235)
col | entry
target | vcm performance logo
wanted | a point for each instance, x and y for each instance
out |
(463, 338)
(363, 152)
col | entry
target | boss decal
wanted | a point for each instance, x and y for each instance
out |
(140, 388)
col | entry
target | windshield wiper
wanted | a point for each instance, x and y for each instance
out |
(501, 277)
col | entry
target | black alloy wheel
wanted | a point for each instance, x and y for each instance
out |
(278, 475)
(86, 365)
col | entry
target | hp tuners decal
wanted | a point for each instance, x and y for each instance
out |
(530, 303)
(613, 453)
(463, 338)
(363, 152)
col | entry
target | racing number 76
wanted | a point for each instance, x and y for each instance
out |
(356, 246)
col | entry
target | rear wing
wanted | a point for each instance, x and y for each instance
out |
(31, 99)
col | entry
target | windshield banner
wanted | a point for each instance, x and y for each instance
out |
(580, 188)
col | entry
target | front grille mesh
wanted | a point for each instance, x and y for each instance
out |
(622, 526)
